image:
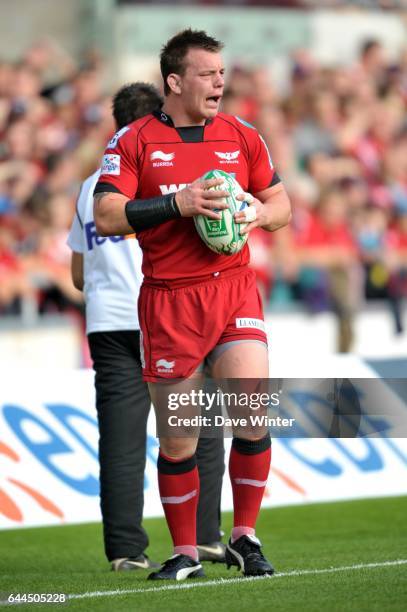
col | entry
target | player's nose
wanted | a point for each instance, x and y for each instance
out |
(219, 80)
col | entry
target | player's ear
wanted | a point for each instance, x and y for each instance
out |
(174, 83)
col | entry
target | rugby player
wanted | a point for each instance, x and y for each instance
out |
(195, 305)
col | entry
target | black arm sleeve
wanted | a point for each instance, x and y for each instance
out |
(144, 214)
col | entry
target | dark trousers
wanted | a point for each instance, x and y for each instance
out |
(123, 404)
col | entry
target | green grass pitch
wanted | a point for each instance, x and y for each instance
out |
(352, 535)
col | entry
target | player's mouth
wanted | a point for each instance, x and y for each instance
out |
(214, 100)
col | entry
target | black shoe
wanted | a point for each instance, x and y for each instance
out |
(133, 563)
(215, 552)
(178, 567)
(246, 554)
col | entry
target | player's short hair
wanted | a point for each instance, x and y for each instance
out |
(134, 101)
(173, 53)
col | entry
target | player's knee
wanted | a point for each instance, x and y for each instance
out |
(177, 448)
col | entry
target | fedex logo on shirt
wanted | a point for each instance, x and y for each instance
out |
(93, 238)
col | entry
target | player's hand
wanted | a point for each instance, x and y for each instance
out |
(252, 215)
(198, 199)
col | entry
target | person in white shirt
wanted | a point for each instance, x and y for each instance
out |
(108, 270)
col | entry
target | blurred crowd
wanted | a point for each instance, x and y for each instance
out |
(338, 138)
(55, 119)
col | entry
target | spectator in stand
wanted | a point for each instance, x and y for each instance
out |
(14, 285)
(398, 279)
(382, 248)
(372, 60)
(327, 256)
(48, 259)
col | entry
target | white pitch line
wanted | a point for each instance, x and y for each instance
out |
(240, 580)
(227, 581)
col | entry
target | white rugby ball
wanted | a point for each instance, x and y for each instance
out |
(223, 235)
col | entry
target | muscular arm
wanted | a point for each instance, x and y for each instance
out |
(273, 210)
(276, 211)
(109, 214)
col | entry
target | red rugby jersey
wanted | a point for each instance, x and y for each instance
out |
(151, 157)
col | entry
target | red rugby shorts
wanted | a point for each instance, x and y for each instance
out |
(181, 326)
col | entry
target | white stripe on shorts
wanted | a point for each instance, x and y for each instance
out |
(179, 500)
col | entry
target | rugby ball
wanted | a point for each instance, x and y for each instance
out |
(223, 235)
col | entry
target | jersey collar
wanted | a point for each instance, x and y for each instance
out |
(166, 119)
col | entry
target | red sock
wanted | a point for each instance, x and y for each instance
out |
(249, 466)
(178, 482)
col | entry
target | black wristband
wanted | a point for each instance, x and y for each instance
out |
(143, 214)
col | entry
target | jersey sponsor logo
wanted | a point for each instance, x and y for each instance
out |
(165, 366)
(111, 164)
(230, 157)
(165, 159)
(250, 323)
(173, 188)
(113, 142)
(161, 155)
